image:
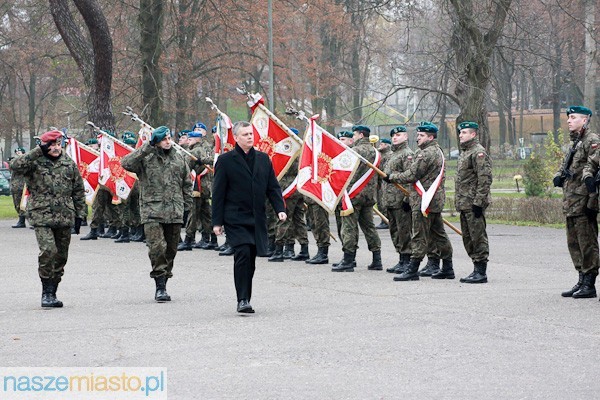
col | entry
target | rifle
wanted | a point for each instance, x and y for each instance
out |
(565, 170)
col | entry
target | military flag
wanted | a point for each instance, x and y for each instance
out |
(144, 135)
(24, 198)
(88, 163)
(427, 195)
(326, 167)
(112, 174)
(224, 136)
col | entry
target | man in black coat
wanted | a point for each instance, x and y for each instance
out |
(243, 180)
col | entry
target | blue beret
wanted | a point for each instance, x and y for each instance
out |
(296, 131)
(194, 135)
(579, 110)
(398, 129)
(214, 129)
(361, 128)
(386, 140)
(428, 127)
(346, 134)
(159, 134)
(199, 125)
(467, 125)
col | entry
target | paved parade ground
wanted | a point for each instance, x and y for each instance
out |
(315, 334)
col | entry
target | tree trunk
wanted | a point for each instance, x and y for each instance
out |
(591, 62)
(151, 24)
(31, 116)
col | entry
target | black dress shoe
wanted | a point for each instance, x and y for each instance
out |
(227, 252)
(245, 307)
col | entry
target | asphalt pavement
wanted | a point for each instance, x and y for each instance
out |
(316, 334)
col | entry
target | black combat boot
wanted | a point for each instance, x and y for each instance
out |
(447, 271)
(394, 268)
(321, 257)
(432, 266)
(213, 243)
(588, 288)
(303, 255)
(92, 235)
(49, 299)
(277, 254)
(20, 223)
(227, 251)
(347, 265)
(569, 293)
(338, 263)
(117, 234)
(376, 264)
(109, 233)
(478, 275)
(411, 273)
(288, 251)
(186, 245)
(124, 238)
(203, 242)
(270, 247)
(135, 233)
(100, 230)
(161, 294)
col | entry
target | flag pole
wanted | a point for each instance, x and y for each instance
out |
(383, 217)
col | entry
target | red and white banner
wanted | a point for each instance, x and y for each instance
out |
(271, 136)
(144, 135)
(326, 167)
(112, 174)
(358, 186)
(88, 163)
(224, 141)
(427, 195)
(24, 198)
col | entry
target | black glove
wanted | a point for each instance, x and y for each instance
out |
(77, 226)
(406, 206)
(590, 213)
(477, 211)
(590, 185)
(386, 178)
(558, 181)
(45, 148)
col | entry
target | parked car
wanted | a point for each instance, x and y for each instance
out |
(4, 186)
(453, 155)
(5, 172)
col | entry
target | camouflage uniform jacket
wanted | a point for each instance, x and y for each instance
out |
(17, 181)
(368, 195)
(56, 189)
(426, 165)
(290, 175)
(165, 184)
(402, 157)
(473, 177)
(575, 194)
(205, 156)
(386, 153)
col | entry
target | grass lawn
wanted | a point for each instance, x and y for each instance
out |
(7, 210)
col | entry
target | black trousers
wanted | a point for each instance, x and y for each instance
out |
(244, 264)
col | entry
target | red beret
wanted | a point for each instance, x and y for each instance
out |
(51, 136)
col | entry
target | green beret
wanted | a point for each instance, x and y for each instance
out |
(159, 134)
(428, 127)
(579, 110)
(91, 141)
(184, 132)
(127, 134)
(361, 128)
(129, 140)
(467, 125)
(110, 133)
(398, 129)
(346, 134)
(386, 140)
(21, 149)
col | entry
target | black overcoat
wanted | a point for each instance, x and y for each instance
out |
(239, 196)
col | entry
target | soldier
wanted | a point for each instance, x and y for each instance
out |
(17, 183)
(428, 171)
(57, 199)
(130, 208)
(363, 201)
(347, 138)
(165, 192)
(395, 201)
(183, 140)
(320, 231)
(385, 149)
(472, 196)
(580, 200)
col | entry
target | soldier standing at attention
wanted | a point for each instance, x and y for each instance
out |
(472, 196)
(17, 182)
(580, 201)
(428, 169)
(165, 192)
(385, 149)
(363, 203)
(57, 199)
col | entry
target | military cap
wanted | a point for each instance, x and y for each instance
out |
(159, 134)
(199, 125)
(184, 132)
(51, 136)
(296, 131)
(346, 134)
(361, 128)
(21, 149)
(127, 134)
(386, 140)
(214, 129)
(129, 140)
(579, 110)
(91, 141)
(194, 134)
(467, 125)
(428, 127)
(398, 129)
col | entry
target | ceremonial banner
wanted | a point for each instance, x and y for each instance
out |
(358, 186)
(144, 135)
(24, 198)
(224, 136)
(112, 174)
(326, 167)
(427, 195)
(271, 136)
(88, 163)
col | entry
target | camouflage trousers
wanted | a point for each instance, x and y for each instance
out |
(474, 236)
(338, 223)
(429, 237)
(17, 194)
(272, 221)
(320, 224)
(104, 211)
(363, 217)
(200, 216)
(130, 208)
(582, 240)
(54, 251)
(162, 240)
(294, 227)
(400, 229)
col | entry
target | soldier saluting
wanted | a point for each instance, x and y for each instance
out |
(580, 201)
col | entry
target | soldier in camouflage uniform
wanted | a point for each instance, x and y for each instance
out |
(472, 196)
(385, 149)
(320, 231)
(165, 192)
(57, 199)
(347, 138)
(129, 209)
(427, 165)
(17, 183)
(363, 204)
(395, 201)
(580, 201)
